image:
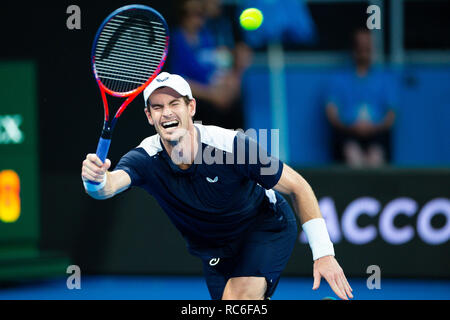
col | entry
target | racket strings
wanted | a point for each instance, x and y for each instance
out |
(129, 50)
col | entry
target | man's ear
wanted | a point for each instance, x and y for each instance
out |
(192, 107)
(148, 115)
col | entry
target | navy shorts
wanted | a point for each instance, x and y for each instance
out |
(264, 252)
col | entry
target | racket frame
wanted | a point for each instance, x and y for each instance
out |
(109, 124)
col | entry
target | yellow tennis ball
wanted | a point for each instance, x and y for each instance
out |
(251, 19)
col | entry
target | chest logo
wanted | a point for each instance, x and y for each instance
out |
(214, 261)
(212, 180)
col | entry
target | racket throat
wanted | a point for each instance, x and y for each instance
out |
(106, 132)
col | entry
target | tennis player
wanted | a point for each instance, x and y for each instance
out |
(224, 200)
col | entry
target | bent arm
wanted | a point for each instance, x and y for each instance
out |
(308, 211)
(307, 208)
(301, 193)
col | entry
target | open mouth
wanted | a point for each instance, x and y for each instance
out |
(170, 124)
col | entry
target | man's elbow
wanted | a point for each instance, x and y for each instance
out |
(300, 187)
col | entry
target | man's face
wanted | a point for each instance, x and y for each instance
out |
(169, 114)
(362, 51)
(194, 13)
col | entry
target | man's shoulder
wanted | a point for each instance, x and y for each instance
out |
(151, 145)
(141, 155)
(217, 137)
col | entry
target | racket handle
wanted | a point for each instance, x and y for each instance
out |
(102, 152)
(102, 148)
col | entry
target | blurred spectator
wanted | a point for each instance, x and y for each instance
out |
(359, 107)
(202, 51)
(233, 51)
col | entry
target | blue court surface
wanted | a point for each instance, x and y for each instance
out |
(194, 288)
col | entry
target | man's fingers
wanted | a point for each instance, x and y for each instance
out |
(88, 177)
(334, 275)
(341, 286)
(348, 284)
(93, 168)
(316, 283)
(344, 287)
(95, 159)
(347, 287)
(91, 175)
(107, 164)
(337, 290)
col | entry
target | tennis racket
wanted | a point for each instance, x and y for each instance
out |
(129, 51)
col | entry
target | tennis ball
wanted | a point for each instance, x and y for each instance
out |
(251, 19)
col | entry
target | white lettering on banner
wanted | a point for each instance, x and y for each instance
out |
(355, 234)
(10, 132)
(424, 228)
(394, 208)
(350, 228)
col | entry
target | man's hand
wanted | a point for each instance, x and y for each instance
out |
(113, 182)
(93, 169)
(329, 268)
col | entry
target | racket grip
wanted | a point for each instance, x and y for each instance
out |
(102, 152)
(102, 148)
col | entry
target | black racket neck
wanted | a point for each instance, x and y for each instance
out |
(107, 131)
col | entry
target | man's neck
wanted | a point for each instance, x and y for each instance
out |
(183, 151)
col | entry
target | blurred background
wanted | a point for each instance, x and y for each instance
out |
(363, 114)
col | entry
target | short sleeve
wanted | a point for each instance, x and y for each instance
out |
(254, 162)
(134, 162)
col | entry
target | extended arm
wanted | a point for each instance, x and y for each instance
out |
(111, 183)
(308, 211)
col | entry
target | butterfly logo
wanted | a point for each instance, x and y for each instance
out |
(212, 180)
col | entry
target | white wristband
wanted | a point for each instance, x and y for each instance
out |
(318, 238)
(95, 187)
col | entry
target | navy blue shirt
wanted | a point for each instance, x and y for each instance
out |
(215, 200)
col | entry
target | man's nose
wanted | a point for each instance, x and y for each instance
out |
(167, 111)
